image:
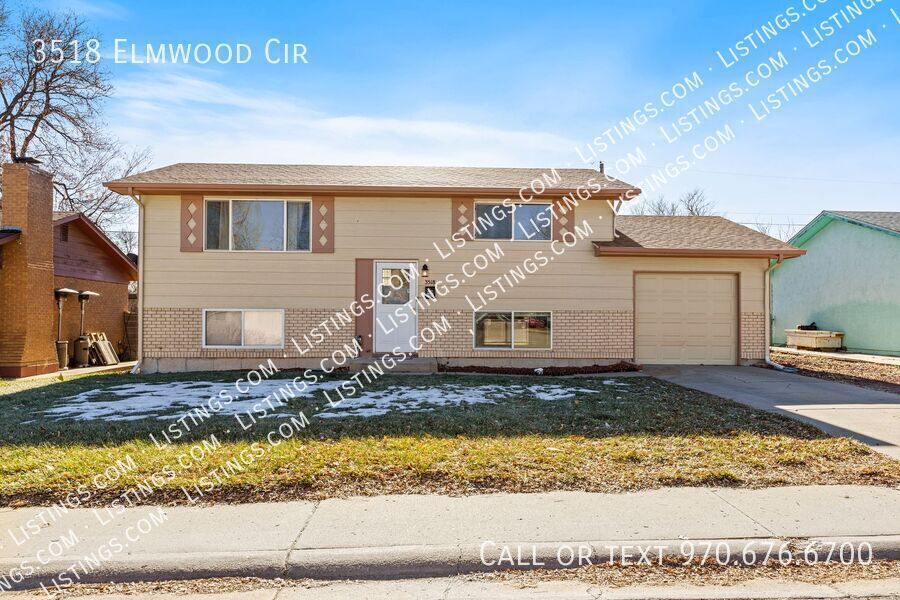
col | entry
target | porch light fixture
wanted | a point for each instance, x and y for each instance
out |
(424, 269)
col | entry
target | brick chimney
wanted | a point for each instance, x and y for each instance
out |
(27, 305)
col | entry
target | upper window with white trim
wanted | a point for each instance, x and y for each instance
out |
(523, 222)
(258, 225)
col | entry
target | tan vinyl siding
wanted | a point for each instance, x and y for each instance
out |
(403, 228)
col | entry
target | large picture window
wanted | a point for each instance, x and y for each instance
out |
(513, 329)
(235, 328)
(258, 225)
(523, 222)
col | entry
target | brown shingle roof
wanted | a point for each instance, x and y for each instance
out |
(211, 176)
(689, 236)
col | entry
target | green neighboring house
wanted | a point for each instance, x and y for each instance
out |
(848, 280)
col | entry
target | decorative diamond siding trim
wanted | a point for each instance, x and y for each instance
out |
(563, 218)
(462, 214)
(191, 223)
(322, 215)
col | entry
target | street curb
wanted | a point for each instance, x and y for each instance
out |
(398, 562)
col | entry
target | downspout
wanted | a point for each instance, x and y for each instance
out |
(767, 279)
(140, 291)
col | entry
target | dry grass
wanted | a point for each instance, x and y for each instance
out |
(653, 434)
(676, 573)
(871, 375)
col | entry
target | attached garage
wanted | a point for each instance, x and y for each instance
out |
(686, 318)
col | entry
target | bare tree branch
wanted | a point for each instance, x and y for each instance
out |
(50, 99)
(79, 177)
(693, 202)
(126, 240)
(51, 95)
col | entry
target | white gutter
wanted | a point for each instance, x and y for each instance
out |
(140, 291)
(767, 280)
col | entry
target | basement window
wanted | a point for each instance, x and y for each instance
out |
(513, 330)
(240, 328)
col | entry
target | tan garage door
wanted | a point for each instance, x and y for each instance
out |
(685, 318)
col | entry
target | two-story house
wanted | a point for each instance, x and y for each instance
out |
(485, 266)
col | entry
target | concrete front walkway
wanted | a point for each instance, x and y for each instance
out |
(429, 536)
(870, 416)
(74, 372)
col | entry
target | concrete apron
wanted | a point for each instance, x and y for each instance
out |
(391, 537)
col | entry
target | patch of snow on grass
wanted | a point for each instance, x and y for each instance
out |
(134, 401)
(170, 400)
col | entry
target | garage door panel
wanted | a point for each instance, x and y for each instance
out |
(686, 318)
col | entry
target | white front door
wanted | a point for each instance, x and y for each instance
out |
(396, 325)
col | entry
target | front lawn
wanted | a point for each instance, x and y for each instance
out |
(451, 434)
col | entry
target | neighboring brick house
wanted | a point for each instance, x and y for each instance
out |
(469, 266)
(41, 250)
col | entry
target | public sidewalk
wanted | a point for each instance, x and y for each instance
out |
(429, 536)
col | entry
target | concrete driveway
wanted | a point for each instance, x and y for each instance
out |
(870, 416)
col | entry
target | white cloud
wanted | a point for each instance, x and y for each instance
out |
(93, 8)
(183, 116)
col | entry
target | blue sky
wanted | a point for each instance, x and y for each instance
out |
(524, 84)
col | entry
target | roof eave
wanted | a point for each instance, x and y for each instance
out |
(128, 188)
(600, 250)
(9, 236)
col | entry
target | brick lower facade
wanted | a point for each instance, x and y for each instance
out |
(753, 336)
(603, 335)
(176, 333)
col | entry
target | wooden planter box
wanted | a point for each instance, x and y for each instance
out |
(814, 340)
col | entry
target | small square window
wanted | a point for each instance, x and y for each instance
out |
(493, 330)
(223, 328)
(257, 225)
(531, 330)
(263, 328)
(493, 222)
(532, 222)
